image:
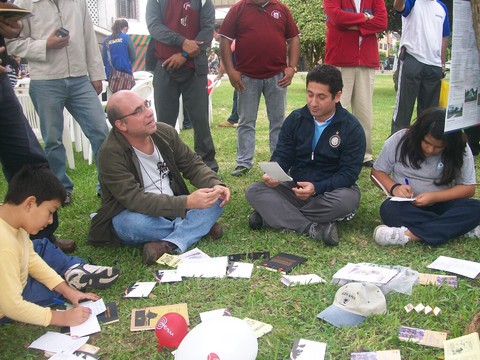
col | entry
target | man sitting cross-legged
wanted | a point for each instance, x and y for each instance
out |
(145, 200)
(322, 146)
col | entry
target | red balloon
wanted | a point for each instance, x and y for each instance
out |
(170, 330)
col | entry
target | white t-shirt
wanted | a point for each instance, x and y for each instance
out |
(424, 25)
(423, 179)
(154, 172)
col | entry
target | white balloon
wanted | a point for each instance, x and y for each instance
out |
(222, 338)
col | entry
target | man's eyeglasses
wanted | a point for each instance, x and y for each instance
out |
(146, 105)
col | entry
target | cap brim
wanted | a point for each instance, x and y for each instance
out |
(339, 317)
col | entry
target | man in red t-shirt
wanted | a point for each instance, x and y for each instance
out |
(264, 32)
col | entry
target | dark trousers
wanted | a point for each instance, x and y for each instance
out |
(416, 81)
(434, 224)
(18, 144)
(195, 99)
(233, 118)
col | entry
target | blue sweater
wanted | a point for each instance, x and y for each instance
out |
(122, 52)
(337, 159)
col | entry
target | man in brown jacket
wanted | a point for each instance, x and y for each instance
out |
(145, 200)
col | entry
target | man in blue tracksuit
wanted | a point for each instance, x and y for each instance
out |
(322, 146)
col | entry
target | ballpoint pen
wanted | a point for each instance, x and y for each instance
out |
(406, 181)
(61, 302)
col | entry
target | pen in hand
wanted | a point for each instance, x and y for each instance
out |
(407, 183)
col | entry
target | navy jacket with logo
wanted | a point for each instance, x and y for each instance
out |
(337, 158)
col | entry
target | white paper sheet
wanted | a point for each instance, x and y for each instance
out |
(55, 342)
(274, 170)
(457, 266)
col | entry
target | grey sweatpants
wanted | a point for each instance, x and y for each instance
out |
(281, 209)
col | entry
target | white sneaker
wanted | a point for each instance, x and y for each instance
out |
(85, 275)
(385, 235)
(474, 233)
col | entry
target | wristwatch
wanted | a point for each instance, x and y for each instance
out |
(294, 68)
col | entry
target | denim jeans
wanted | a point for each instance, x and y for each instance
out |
(248, 101)
(79, 97)
(136, 229)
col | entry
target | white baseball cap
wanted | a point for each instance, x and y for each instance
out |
(353, 303)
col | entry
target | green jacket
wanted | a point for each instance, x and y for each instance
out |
(122, 185)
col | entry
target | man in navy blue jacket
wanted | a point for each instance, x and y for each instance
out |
(322, 146)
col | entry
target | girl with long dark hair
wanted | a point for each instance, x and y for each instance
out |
(433, 175)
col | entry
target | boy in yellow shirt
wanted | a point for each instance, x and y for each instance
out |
(32, 273)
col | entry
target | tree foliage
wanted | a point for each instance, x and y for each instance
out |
(310, 19)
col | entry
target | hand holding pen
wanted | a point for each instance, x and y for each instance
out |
(405, 190)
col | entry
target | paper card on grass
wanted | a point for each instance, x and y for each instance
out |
(274, 170)
(240, 270)
(169, 260)
(462, 348)
(303, 349)
(364, 272)
(377, 355)
(292, 280)
(166, 276)
(139, 289)
(147, 318)
(110, 315)
(195, 253)
(259, 328)
(205, 268)
(207, 315)
(457, 266)
(437, 280)
(422, 337)
(56, 343)
(75, 356)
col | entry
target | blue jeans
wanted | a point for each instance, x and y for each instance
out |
(76, 94)
(434, 224)
(248, 101)
(35, 291)
(233, 118)
(136, 229)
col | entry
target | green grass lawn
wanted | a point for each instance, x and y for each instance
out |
(291, 311)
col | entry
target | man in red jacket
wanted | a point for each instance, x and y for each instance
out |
(352, 28)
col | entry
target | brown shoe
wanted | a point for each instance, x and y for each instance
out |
(226, 124)
(216, 232)
(66, 245)
(152, 251)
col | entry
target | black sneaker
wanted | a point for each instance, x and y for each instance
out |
(240, 171)
(85, 275)
(68, 199)
(255, 220)
(326, 232)
(368, 164)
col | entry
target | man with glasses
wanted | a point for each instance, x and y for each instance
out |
(145, 200)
